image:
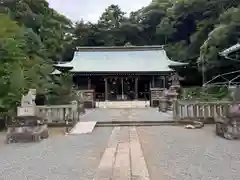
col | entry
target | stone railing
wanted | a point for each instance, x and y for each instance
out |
(199, 110)
(58, 114)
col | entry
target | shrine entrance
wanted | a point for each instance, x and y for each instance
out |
(122, 88)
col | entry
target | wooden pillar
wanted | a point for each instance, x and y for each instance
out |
(164, 81)
(106, 89)
(153, 82)
(122, 88)
(89, 83)
(136, 88)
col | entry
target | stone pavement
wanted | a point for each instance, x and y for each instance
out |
(146, 114)
(123, 158)
(136, 153)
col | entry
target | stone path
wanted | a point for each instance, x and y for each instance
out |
(123, 158)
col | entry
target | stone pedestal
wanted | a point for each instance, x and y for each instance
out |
(155, 95)
(172, 96)
(27, 126)
(88, 98)
(163, 104)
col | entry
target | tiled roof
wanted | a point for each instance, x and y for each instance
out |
(121, 59)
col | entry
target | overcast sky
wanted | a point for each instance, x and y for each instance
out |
(90, 10)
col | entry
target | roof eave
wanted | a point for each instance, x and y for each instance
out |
(56, 72)
(67, 65)
(168, 70)
(229, 50)
(179, 64)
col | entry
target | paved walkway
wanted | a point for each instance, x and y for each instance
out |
(89, 120)
(123, 158)
(146, 114)
(136, 153)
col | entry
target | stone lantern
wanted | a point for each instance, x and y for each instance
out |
(174, 89)
(175, 81)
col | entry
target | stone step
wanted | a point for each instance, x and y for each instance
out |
(145, 123)
(123, 104)
(136, 123)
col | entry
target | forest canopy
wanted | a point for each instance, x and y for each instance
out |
(33, 36)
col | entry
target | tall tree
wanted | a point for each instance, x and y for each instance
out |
(109, 25)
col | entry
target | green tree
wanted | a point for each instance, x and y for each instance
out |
(12, 45)
(109, 25)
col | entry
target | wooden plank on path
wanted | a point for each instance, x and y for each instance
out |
(83, 127)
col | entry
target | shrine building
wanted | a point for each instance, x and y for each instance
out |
(120, 73)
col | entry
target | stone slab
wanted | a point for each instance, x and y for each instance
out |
(139, 167)
(105, 168)
(123, 158)
(83, 127)
(122, 168)
(123, 104)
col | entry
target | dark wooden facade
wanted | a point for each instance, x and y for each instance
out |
(121, 86)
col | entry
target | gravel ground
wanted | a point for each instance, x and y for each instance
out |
(175, 153)
(57, 158)
(146, 114)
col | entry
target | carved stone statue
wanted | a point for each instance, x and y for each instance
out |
(29, 99)
(228, 127)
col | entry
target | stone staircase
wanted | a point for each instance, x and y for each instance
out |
(123, 104)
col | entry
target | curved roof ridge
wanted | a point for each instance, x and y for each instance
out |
(120, 48)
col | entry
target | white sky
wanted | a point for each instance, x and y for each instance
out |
(90, 10)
